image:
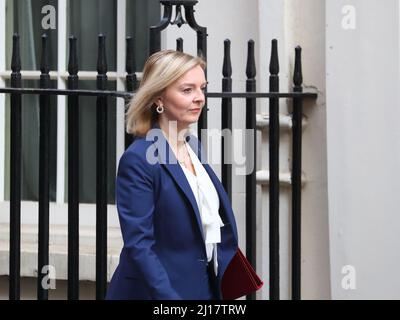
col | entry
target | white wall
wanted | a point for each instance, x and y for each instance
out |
(364, 148)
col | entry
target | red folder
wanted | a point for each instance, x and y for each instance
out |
(239, 279)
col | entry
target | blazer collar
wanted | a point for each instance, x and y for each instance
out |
(167, 158)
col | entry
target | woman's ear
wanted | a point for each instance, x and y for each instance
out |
(159, 101)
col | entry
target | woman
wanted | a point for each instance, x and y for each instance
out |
(177, 223)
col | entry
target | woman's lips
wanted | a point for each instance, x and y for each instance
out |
(195, 110)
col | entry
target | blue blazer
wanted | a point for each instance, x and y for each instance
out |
(164, 255)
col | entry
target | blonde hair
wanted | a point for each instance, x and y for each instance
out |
(160, 70)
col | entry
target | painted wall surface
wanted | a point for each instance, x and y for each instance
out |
(363, 139)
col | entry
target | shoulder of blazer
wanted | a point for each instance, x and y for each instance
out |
(139, 154)
(139, 145)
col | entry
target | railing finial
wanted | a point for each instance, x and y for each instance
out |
(274, 62)
(44, 61)
(297, 75)
(73, 57)
(101, 60)
(227, 66)
(16, 57)
(251, 62)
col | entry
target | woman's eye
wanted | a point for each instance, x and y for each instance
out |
(189, 90)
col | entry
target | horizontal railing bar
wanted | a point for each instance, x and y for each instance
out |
(128, 95)
(179, 2)
(83, 75)
(305, 95)
(65, 92)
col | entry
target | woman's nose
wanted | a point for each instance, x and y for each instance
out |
(199, 95)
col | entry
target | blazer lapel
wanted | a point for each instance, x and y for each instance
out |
(168, 160)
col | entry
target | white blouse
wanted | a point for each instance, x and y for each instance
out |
(208, 202)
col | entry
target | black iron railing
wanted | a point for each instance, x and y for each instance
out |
(101, 94)
(274, 174)
(44, 160)
(73, 174)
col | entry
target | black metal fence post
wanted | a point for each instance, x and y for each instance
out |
(274, 173)
(73, 174)
(251, 156)
(226, 121)
(15, 173)
(101, 174)
(131, 80)
(296, 178)
(44, 172)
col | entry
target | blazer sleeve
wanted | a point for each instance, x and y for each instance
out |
(135, 203)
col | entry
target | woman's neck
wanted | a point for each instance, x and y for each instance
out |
(173, 132)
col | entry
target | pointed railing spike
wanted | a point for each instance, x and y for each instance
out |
(101, 60)
(297, 74)
(16, 58)
(274, 62)
(251, 62)
(73, 56)
(227, 65)
(44, 61)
